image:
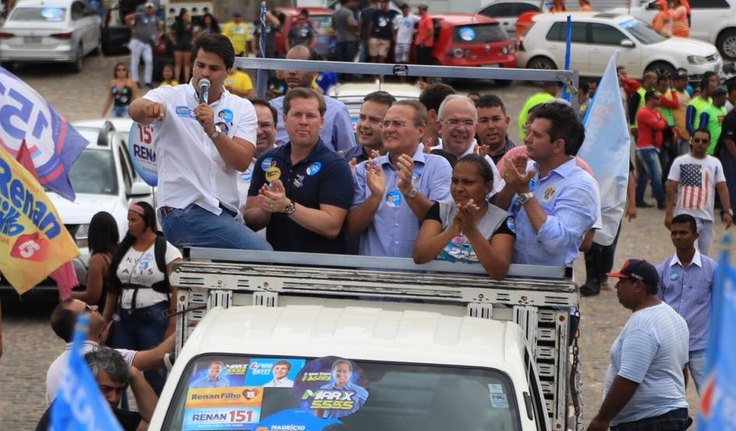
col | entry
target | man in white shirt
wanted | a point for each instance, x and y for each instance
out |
(202, 145)
(404, 27)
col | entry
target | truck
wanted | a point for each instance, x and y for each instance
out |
(292, 341)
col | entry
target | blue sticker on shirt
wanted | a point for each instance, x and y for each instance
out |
(393, 198)
(224, 127)
(184, 112)
(417, 174)
(245, 175)
(267, 163)
(225, 115)
(313, 168)
(511, 224)
(674, 276)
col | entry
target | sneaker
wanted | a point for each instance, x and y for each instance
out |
(587, 290)
(643, 204)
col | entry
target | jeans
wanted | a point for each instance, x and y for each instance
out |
(138, 49)
(696, 365)
(120, 111)
(674, 420)
(649, 158)
(142, 329)
(195, 226)
(346, 51)
(705, 235)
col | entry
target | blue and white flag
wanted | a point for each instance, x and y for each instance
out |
(54, 144)
(718, 399)
(606, 149)
(79, 405)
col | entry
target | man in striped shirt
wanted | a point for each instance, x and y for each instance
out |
(691, 184)
(685, 283)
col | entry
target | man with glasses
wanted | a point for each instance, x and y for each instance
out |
(393, 192)
(113, 376)
(644, 385)
(691, 185)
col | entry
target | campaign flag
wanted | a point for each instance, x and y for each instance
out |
(719, 394)
(79, 404)
(33, 239)
(606, 149)
(143, 152)
(54, 145)
(568, 53)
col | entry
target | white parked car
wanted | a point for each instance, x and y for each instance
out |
(596, 36)
(712, 21)
(507, 12)
(352, 94)
(50, 31)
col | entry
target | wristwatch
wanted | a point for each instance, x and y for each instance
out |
(411, 194)
(290, 208)
(215, 133)
(524, 197)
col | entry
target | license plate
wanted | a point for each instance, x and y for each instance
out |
(32, 39)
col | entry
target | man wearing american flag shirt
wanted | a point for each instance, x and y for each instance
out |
(691, 184)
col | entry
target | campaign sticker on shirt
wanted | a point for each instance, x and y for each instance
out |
(224, 127)
(511, 224)
(183, 111)
(245, 175)
(393, 198)
(225, 115)
(467, 34)
(273, 173)
(267, 163)
(548, 193)
(417, 174)
(314, 168)
(298, 180)
(331, 387)
(674, 276)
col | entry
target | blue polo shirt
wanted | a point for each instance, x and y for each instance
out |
(323, 177)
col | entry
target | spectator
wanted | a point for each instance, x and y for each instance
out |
(492, 127)
(686, 285)
(468, 228)
(366, 17)
(558, 6)
(368, 130)
(238, 82)
(555, 210)
(708, 83)
(122, 91)
(201, 208)
(432, 97)
(726, 151)
(113, 376)
(103, 240)
(550, 89)
(636, 99)
(662, 21)
(404, 27)
(394, 191)
(692, 184)
(712, 115)
(346, 30)
(679, 84)
(424, 40)
(208, 24)
(301, 32)
(139, 291)
(337, 130)
(584, 99)
(301, 192)
(238, 33)
(265, 140)
(382, 33)
(649, 139)
(644, 386)
(143, 27)
(668, 103)
(167, 73)
(183, 45)
(680, 17)
(585, 6)
(269, 40)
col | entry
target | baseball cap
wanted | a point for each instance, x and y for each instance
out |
(681, 74)
(637, 269)
(150, 4)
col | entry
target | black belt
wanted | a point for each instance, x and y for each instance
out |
(164, 210)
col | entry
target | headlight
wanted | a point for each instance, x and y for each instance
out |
(696, 59)
(81, 236)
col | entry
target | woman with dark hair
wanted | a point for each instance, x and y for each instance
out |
(102, 240)
(209, 24)
(139, 291)
(468, 228)
(123, 90)
(183, 45)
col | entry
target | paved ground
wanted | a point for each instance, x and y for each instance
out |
(30, 346)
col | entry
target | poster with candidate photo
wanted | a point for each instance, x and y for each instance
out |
(331, 387)
(273, 372)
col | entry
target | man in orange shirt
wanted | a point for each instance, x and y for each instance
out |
(424, 39)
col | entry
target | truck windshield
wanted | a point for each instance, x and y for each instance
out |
(286, 393)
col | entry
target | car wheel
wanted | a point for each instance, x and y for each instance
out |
(78, 63)
(541, 63)
(661, 68)
(726, 44)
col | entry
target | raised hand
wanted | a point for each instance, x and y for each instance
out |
(375, 179)
(405, 174)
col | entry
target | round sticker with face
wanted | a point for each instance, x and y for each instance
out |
(273, 173)
(393, 198)
(225, 115)
(331, 387)
(267, 163)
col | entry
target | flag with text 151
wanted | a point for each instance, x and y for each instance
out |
(716, 412)
(27, 117)
(79, 404)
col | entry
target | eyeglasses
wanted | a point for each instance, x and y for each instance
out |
(455, 123)
(700, 140)
(395, 123)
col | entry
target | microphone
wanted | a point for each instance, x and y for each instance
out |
(204, 90)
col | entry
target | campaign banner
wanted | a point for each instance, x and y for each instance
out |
(221, 418)
(273, 372)
(33, 239)
(331, 387)
(27, 117)
(224, 397)
(143, 152)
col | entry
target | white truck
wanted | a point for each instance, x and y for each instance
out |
(289, 341)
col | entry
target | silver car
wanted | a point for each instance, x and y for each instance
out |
(50, 31)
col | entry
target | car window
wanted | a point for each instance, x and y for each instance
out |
(520, 8)
(709, 4)
(42, 14)
(240, 392)
(77, 11)
(499, 10)
(480, 33)
(557, 32)
(642, 32)
(94, 173)
(604, 34)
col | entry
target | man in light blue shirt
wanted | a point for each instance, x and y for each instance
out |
(214, 378)
(555, 201)
(393, 192)
(686, 284)
(337, 129)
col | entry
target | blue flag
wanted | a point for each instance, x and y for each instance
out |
(79, 404)
(606, 149)
(718, 399)
(568, 52)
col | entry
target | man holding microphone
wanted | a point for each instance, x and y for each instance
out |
(203, 135)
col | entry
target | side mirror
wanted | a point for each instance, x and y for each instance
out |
(626, 43)
(139, 189)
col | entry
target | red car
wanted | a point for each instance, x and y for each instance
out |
(321, 19)
(466, 39)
